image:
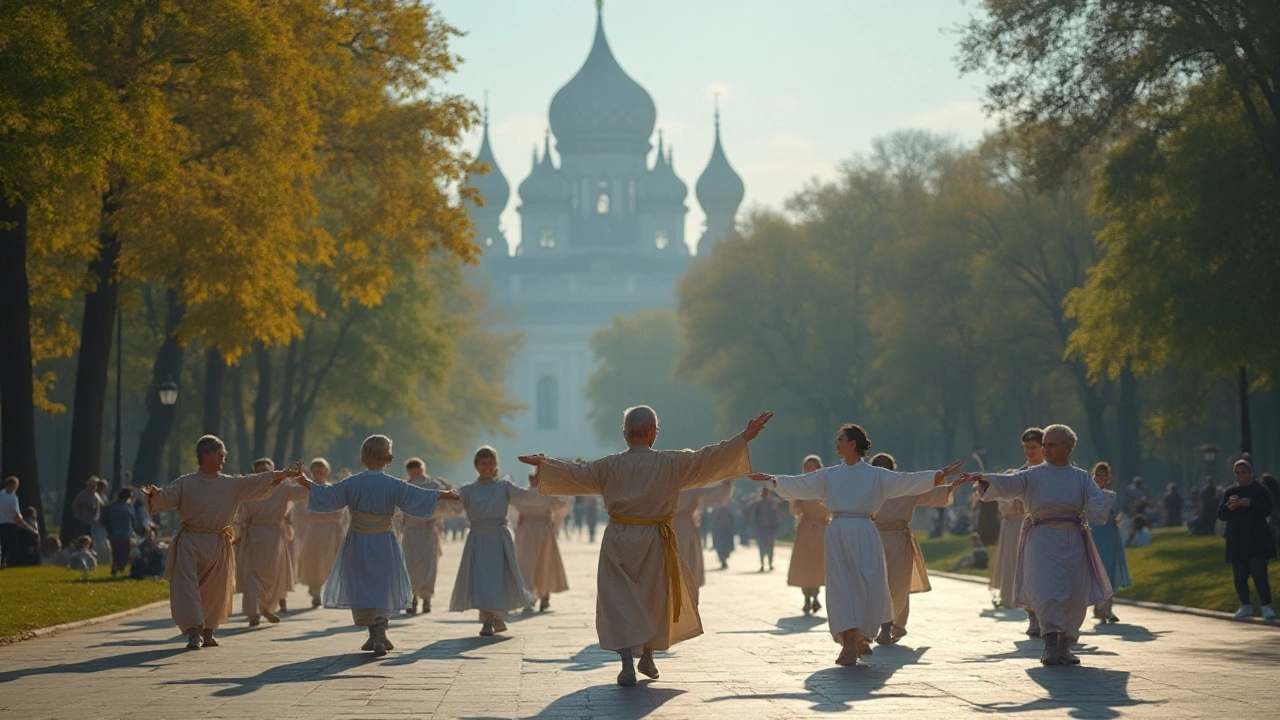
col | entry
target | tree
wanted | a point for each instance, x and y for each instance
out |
(638, 355)
(1090, 67)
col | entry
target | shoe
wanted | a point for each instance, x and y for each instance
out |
(1033, 626)
(1052, 654)
(271, 617)
(315, 602)
(194, 641)
(1065, 656)
(255, 621)
(207, 638)
(487, 629)
(546, 603)
(426, 606)
(499, 625)
(368, 644)
(816, 605)
(413, 606)
(1245, 611)
(1111, 617)
(284, 607)
(1268, 613)
(808, 608)
(849, 655)
(724, 565)
(627, 679)
(647, 667)
(864, 647)
(898, 633)
(885, 637)
(381, 637)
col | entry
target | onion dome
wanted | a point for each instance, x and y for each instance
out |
(602, 109)
(545, 185)
(492, 185)
(660, 186)
(720, 188)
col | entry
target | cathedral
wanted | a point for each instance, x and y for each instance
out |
(602, 234)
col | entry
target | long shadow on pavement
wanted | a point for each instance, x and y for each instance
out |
(319, 634)
(590, 657)
(450, 649)
(1084, 692)
(1129, 633)
(1004, 614)
(323, 668)
(96, 665)
(836, 689)
(784, 626)
(618, 703)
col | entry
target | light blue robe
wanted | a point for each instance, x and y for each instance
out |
(489, 576)
(370, 570)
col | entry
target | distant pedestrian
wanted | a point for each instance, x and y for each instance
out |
(1208, 502)
(765, 515)
(120, 521)
(1245, 508)
(86, 507)
(723, 523)
(1135, 497)
(1172, 506)
(28, 550)
(11, 521)
(1106, 537)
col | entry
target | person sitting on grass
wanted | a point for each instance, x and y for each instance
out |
(82, 558)
(51, 552)
(148, 557)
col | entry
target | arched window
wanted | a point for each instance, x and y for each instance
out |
(602, 198)
(548, 403)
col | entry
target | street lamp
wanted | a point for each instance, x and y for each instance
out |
(168, 392)
(1210, 453)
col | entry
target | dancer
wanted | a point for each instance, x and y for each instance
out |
(369, 576)
(764, 517)
(1059, 573)
(644, 598)
(318, 547)
(201, 565)
(904, 563)
(807, 555)
(858, 600)
(537, 549)
(686, 524)
(489, 578)
(422, 539)
(1004, 563)
(265, 570)
(1106, 536)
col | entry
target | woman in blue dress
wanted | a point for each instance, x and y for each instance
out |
(1106, 537)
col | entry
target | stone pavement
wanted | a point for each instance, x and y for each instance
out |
(760, 658)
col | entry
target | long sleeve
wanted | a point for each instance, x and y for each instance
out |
(253, 487)
(518, 494)
(810, 486)
(940, 496)
(723, 461)
(1098, 503)
(327, 498)
(1263, 502)
(1004, 486)
(166, 499)
(416, 501)
(903, 484)
(556, 477)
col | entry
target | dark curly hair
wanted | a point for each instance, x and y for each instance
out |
(856, 435)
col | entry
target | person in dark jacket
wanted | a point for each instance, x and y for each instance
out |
(1173, 506)
(1250, 545)
(1208, 501)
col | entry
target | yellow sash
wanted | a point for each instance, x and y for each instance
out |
(672, 557)
(226, 532)
(363, 523)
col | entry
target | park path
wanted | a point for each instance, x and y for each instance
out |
(760, 658)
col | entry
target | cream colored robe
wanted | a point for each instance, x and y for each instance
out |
(201, 563)
(537, 550)
(688, 520)
(421, 538)
(318, 547)
(634, 596)
(265, 570)
(807, 555)
(904, 564)
(1004, 561)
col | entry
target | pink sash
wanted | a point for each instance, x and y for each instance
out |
(1100, 585)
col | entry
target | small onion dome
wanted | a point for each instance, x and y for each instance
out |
(492, 185)
(602, 109)
(545, 185)
(660, 186)
(719, 187)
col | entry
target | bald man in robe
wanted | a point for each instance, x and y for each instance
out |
(645, 596)
(201, 563)
(265, 565)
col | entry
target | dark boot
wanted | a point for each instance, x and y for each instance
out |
(1052, 649)
(1033, 625)
(1065, 656)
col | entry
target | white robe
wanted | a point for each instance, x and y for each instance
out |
(1054, 577)
(857, 586)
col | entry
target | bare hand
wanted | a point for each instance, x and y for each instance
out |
(449, 495)
(306, 482)
(534, 460)
(967, 478)
(756, 425)
(150, 490)
(760, 477)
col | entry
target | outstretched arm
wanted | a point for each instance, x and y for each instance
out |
(556, 477)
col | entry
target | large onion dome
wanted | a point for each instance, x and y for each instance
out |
(660, 186)
(545, 186)
(602, 109)
(719, 187)
(492, 185)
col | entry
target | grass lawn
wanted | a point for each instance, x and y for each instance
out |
(1176, 568)
(36, 597)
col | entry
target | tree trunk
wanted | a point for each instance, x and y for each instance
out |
(215, 370)
(244, 445)
(1246, 425)
(168, 365)
(1095, 412)
(261, 403)
(287, 411)
(92, 365)
(17, 385)
(1130, 426)
(299, 437)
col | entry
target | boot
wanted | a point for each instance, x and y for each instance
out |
(807, 607)
(207, 639)
(1065, 656)
(413, 606)
(315, 601)
(1033, 625)
(426, 605)
(284, 606)
(545, 603)
(368, 644)
(1052, 649)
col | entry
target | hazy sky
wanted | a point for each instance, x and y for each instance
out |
(804, 84)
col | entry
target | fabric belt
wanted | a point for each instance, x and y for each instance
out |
(672, 556)
(363, 523)
(852, 515)
(894, 525)
(1100, 585)
(226, 532)
(487, 526)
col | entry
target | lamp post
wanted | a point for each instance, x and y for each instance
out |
(117, 461)
(168, 392)
(1210, 453)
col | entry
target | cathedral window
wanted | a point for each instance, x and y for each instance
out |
(546, 239)
(602, 200)
(548, 403)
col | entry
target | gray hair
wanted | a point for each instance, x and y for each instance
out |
(208, 444)
(1063, 431)
(638, 419)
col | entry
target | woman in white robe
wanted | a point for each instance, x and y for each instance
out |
(537, 549)
(369, 576)
(1059, 573)
(858, 600)
(321, 540)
